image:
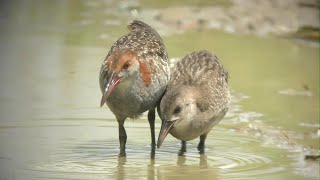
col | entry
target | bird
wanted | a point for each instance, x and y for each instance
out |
(196, 99)
(133, 77)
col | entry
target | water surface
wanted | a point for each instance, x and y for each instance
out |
(51, 125)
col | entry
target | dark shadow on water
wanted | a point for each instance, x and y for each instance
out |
(151, 170)
(203, 163)
(187, 167)
(120, 171)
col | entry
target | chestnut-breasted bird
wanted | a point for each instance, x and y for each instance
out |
(196, 99)
(133, 77)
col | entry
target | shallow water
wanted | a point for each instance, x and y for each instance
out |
(51, 126)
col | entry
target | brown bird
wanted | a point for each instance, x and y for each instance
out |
(133, 77)
(196, 99)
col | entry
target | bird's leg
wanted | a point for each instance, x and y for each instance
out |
(201, 145)
(151, 119)
(183, 148)
(122, 138)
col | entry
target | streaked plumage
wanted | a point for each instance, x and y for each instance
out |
(196, 99)
(134, 75)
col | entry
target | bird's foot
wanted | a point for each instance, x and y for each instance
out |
(122, 153)
(181, 152)
(153, 153)
(201, 148)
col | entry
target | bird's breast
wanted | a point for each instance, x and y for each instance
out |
(189, 130)
(132, 97)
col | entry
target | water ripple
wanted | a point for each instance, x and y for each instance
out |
(100, 159)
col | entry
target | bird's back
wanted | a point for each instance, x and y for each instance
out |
(204, 72)
(148, 45)
(146, 42)
(199, 68)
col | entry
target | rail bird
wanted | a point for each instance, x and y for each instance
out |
(196, 99)
(133, 77)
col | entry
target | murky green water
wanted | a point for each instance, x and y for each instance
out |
(51, 126)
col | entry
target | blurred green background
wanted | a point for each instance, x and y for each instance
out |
(51, 125)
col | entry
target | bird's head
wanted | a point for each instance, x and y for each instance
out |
(118, 68)
(178, 108)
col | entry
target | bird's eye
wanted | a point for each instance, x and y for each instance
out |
(177, 110)
(126, 66)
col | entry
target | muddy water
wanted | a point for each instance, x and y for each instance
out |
(51, 126)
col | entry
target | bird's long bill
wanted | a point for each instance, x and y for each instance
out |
(112, 81)
(165, 127)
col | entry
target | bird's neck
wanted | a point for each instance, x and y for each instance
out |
(126, 85)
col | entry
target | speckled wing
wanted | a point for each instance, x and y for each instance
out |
(147, 43)
(149, 47)
(102, 76)
(143, 40)
(204, 71)
(199, 68)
